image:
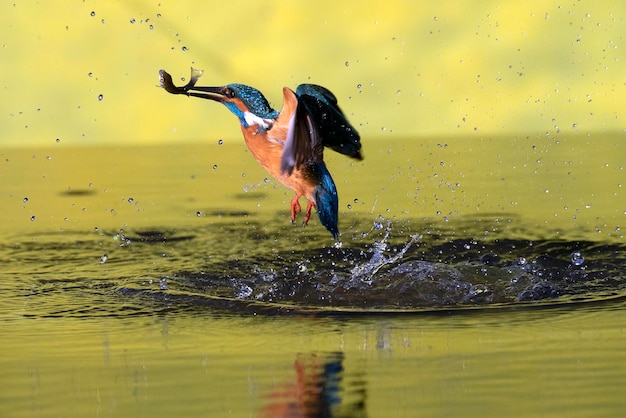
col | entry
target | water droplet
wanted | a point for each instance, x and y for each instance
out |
(214, 166)
(577, 258)
(90, 74)
(131, 200)
(104, 258)
(198, 214)
(132, 20)
(521, 261)
(163, 283)
(100, 97)
(25, 200)
(58, 140)
(220, 142)
(184, 48)
(347, 63)
(159, 15)
(358, 86)
(92, 13)
(356, 200)
(32, 218)
(349, 206)
(151, 27)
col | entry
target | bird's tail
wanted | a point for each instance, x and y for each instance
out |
(326, 199)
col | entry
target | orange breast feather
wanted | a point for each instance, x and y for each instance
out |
(267, 148)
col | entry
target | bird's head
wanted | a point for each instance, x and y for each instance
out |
(247, 103)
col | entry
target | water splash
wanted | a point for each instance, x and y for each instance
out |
(577, 258)
(365, 272)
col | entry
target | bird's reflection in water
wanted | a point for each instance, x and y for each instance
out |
(316, 390)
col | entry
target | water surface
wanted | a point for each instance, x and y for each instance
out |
(471, 277)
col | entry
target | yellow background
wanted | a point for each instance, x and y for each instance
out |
(423, 68)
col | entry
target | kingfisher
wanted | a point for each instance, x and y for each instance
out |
(289, 144)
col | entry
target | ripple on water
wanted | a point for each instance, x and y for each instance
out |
(417, 274)
(381, 270)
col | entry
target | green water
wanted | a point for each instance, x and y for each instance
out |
(559, 362)
(473, 278)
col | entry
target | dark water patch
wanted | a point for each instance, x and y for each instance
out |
(158, 236)
(464, 273)
(77, 192)
(250, 196)
(227, 213)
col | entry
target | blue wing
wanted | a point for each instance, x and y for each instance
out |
(317, 123)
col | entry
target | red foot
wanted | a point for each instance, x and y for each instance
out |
(295, 207)
(309, 206)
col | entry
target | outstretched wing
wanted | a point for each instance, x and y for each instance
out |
(318, 122)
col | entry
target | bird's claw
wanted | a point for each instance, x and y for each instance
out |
(295, 208)
(309, 206)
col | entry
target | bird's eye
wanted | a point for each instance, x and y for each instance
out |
(230, 93)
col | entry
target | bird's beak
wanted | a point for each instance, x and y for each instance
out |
(190, 89)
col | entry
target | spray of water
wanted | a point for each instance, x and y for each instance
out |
(365, 272)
